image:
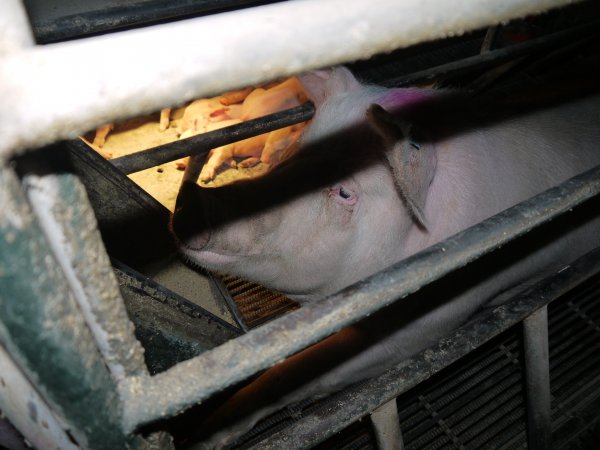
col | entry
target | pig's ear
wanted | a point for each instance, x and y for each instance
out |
(411, 160)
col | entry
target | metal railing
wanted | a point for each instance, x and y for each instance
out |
(53, 265)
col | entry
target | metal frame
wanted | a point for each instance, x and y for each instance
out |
(292, 37)
(359, 400)
(315, 321)
(41, 324)
(201, 144)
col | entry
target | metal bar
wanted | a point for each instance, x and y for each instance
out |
(43, 104)
(386, 425)
(26, 410)
(42, 329)
(77, 19)
(61, 205)
(357, 401)
(193, 169)
(488, 40)
(234, 361)
(537, 379)
(15, 34)
(203, 143)
(491, 57)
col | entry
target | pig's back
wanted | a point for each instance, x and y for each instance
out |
(548, 146)
(483, 171)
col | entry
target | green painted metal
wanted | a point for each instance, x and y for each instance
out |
(42, 328)
(64, 214)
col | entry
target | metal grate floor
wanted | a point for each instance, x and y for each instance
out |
(479, 401)
(252, 304)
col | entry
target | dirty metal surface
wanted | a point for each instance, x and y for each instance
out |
(55, 20)
(171, 328)
(61, 206)
(42, 329)
(252, 304)
(478, 401)
(145, 83)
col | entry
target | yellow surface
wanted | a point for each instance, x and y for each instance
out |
(162, 182)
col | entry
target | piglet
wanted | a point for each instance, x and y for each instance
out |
(269, 148)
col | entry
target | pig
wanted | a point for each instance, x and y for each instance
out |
(382, 174)
(198, 114)
(269, 148)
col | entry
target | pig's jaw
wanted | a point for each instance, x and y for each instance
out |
(208, 259)
(246, 266)
(196, 252)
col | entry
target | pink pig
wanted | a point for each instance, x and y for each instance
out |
(382, 174)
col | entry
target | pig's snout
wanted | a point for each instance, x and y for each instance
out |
(188, 222)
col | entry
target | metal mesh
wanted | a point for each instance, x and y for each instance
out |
(252, 304)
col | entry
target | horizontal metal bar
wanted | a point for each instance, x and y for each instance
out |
(60, 91)
(488, 58)
(537, 380)
(203, 143)
(194, 380)
(80, 18)
(358, 401)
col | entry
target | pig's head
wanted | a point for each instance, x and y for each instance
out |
(340, 210)
(324, 84)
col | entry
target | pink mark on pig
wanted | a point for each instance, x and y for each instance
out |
(405, 97)
(219, 112)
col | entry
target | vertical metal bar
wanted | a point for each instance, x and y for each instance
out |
(193, 169)
(386, 425)
(488, 40)
(537, 379)
(42, 329)
(68, 222)
(27, 411)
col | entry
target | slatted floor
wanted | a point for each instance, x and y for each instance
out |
(250, 303)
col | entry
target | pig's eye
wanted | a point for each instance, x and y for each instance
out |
(414, 144)
(415, 138)
(343, 195)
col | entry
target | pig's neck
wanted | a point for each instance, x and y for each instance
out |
(463, 192)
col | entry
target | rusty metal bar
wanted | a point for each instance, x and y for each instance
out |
(537, 379)
(43, 102)
(194, 380)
